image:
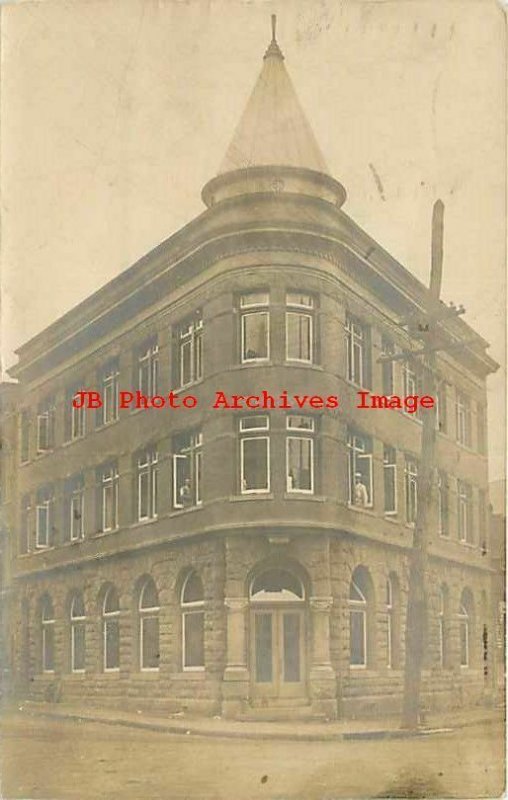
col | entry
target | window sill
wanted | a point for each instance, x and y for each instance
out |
(109, 424)
(70, 442)
(238, 498)
(149, 673)
(178, 511)
(317, 498)
(392, 518)
(198, 674)
(370, 512)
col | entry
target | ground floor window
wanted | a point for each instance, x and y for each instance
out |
(48, 635)
(149, 626)
(78, 626)
(193, 627)
(111, 630)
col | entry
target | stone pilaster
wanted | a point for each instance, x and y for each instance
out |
(322, 678)
(236, 674)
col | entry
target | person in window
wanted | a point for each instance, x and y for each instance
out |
(291, 480)
(186, 493)
(361, 497)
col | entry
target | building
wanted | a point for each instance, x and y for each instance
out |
(244, 561)
(497, 493)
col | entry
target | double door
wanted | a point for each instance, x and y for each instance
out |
(278, 652)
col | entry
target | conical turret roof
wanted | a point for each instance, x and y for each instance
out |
(273, 130)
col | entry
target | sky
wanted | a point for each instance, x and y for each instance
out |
(115, 113)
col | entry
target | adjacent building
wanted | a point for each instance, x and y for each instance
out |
(248, 561)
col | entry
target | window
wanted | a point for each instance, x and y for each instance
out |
(390, 479)
(78, 625)
(481, 426)
(24, 529)
(465, 512)
(411, 488)
(443, 504)
(254, 454)
(108, 477)
(148, 368)
(255, 327)
(300, 454)
(299, 327)
(24, 447)
(45, 426)
(111, 631)
(76, 508)
(482, 513)
(441, 408)
(411, 385)
(147, 463)
(464, 634)
(388, 349)
(463, 419)
(190, 350)
(109, 390)
(187, 469)
(357, 366)
(389, 623)
(357, 623)
(48, 635)
(43, 514)
(74, 417)
(193, 628)
(149, 627)
(360, 484)
(442, 626)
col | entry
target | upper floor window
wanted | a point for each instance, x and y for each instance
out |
(443, 626)
(25, 522)
(299, 327)
(300, 454)
(187, 469)
(74, 417)
(411, 487)
(147, 464)
(481, 426)
(109, 391)
(255, 454)
(43, 518)
(24, 434)
(465, 511)
(482, 513)
(357, 353)
(108, 487)
(443, 504)
(255, 326)
(148, 368)
(76, 507)
(441, 408)
(387, 374)
(463, 419)
(360, 479)
(45, 426)
(190, 350)
(390, 479)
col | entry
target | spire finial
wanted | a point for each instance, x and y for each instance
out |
(274, 49)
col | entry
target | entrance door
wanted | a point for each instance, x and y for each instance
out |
(278, 652)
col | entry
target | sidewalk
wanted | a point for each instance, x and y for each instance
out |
(342, 730)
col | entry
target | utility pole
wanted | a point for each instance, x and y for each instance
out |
(423, 327)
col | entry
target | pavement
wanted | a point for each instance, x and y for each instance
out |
(332, 730)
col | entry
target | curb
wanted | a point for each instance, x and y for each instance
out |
(374, 735)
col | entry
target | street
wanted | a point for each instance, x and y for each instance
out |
(60, 759)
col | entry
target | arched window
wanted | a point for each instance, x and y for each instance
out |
(111, 630)
(442, 626)
(357, 626)
(465, 627)
(78, 624)
(193, 623)
(149, 626)
(276, 585)
(48, 635)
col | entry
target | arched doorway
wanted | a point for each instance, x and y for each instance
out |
(278, 634)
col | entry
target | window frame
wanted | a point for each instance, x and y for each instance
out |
(148, 356)
(465, 513)
(305, 311)
(299, 434)
(76, 622)
(190, 333)
(149, 469)
(47, 623)
(77, 491)
(356, 337)
(463, 419)
(192, 608)
(110, 482)
(108, 618)
(411, 480)
(42, 505)
(392, 466)
(144, 613)
(109, 386)
(261, 308)
(260, 433)
(352, 450)
(358, 607)
(193, 455)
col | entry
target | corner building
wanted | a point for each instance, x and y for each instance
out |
(222, 561)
